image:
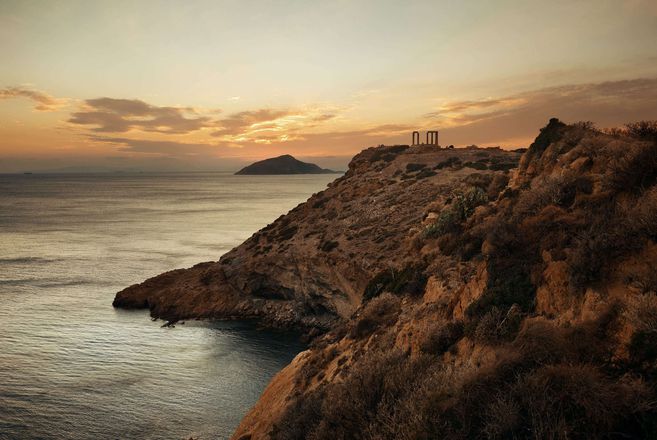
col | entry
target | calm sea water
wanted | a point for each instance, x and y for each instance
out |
(73, 367)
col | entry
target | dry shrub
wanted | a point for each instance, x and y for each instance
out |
(502, 417)
(497, 325)
(497, 185)
(408, 280)
(646, 130)
(441, 336)
(479, 180)
(641, 312)
(578, 401)
(319, 358)
(641, 215)
(634, 169)
(381, 311)
(551, 382)
(365, 406)
(552, 190)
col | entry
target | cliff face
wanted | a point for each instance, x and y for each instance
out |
(538, 318)
(457, 295)
(309, 268)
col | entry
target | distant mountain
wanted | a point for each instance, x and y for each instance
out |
(285, 164)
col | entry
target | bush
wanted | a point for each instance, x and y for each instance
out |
(497, 184)
(441, 336)
(388, 154)
(476, 165)
(462, 206)
(503, 166)
(411, 279)
(646, 130)
(634, 170)
(496, 325)
(450, 162)
(381, 311)
(479, 180)
(447, 221)
(412, 167)
(423, 174)
(504, 289)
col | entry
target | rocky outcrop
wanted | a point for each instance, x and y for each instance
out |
(309, 268)
(535, 318)
(455, 294)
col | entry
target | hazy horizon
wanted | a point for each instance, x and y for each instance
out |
(217, 85)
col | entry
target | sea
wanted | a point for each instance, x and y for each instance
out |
(72, 366)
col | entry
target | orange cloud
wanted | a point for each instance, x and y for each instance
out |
(111, 115)
(43, 101)
(515, 118)
(238, 123)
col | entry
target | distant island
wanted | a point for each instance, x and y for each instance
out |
(285, 164)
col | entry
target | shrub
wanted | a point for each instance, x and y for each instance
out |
(381, 311)
(544, 191)
(643, 347)
(505, 288)
(497, 325)
(578, 401)
(286, 233)
(423, 174)
(479, 180)
(450, 162)
(503, 166)
(462, 206)
(412, 167)
(447, 221)
(411, 279)
(466, 203)
(634, 170)
(388, 154)
(476, 165)
(646, 130)
(497, 184)
(441, 336)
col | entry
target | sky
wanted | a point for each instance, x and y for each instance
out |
(212, 85)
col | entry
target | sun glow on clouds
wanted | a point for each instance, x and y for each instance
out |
(134, 127)
(43, 102)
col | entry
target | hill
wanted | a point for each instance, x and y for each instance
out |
(465, 293)
(285, 164)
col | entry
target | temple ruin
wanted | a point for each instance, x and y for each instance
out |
(431, 138)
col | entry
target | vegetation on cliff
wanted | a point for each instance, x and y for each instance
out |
(537, 320)
(455, 293)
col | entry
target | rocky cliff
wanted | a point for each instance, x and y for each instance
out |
(309, 268)
(455, 293)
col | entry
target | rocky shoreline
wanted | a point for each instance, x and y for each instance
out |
(454, 293)
(308, 269)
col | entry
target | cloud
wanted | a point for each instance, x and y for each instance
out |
(43, 101)
(109, 115)
(519, 116)
(268, 125)
(238, 123)
(156, 147)
(463, 106)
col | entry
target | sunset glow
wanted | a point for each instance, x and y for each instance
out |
(209, 85)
